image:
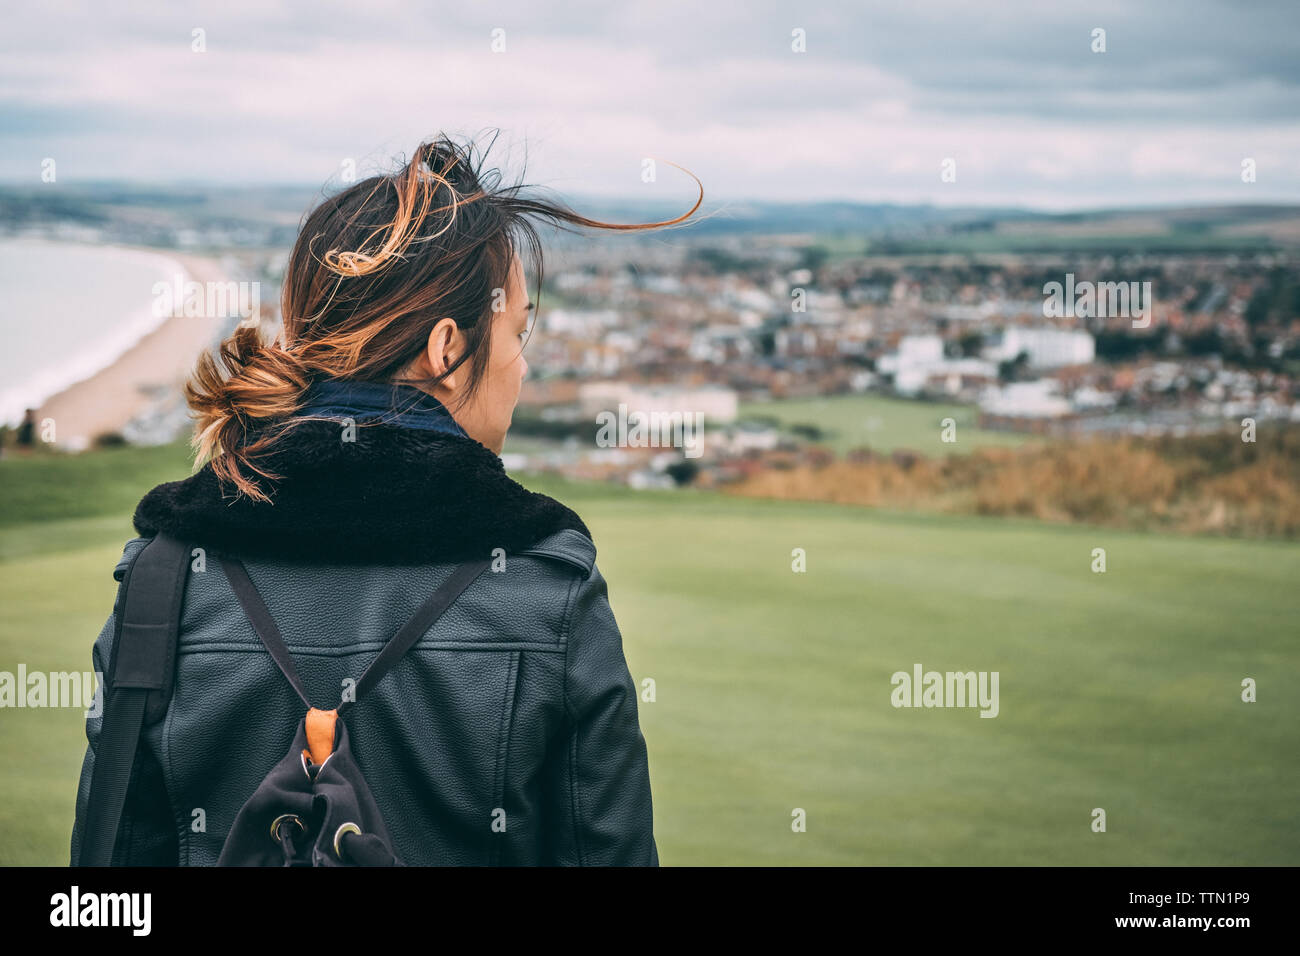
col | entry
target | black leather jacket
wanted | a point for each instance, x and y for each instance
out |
(516, 708)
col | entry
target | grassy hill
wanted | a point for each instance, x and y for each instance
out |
(1118, 690)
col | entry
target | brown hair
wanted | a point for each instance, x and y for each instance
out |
(374, 268)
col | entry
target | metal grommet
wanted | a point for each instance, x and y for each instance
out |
(275, 824)
(346, 828)
(316, 766)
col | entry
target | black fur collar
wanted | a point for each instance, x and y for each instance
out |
(394, 496)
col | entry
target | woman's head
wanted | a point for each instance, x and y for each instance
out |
(486, 413)
(416, 278)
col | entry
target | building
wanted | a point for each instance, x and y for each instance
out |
(919, 365)
(1025, 400)
(716, 403)
(1045, 347)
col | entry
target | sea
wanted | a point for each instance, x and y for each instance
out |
(68, 310)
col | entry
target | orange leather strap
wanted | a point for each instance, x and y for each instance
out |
(320, 734)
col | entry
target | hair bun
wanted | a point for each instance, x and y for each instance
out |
(246, 381)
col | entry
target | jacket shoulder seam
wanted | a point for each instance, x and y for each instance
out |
(569, 546)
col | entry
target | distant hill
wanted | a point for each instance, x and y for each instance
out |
(270, 215)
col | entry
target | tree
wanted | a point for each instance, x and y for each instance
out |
(683, 472)
(1014, 370)
(970, 344)
(813, 258)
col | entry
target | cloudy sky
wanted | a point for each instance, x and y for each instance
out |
(885, 92)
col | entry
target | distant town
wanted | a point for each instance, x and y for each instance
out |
(1134, 324)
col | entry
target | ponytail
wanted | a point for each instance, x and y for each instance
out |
(246, 382)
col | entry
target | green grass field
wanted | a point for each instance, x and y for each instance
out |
(884, 424)
(1118, 690)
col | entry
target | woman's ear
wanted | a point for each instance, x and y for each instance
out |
(445, 344)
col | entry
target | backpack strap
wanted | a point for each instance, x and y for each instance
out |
(143, 664)
(423, 619)
(263, 624)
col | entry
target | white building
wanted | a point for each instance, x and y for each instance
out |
(1038, 399)
(1088, 397)
(714, 343)
(747, 436)
(1046, 348)
(717, 404)
(913, 350)
(920, 361)
(590, 323)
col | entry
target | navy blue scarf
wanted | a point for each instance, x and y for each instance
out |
(378, 402)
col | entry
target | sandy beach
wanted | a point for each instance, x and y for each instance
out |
(150, 373)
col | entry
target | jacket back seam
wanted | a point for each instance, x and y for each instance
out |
(183, 830)
(575, 811)
(506, 727)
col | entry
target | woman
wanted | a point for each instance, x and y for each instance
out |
(351, 466)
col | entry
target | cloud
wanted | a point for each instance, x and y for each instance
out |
(882, 95)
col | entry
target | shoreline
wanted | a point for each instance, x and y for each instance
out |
(147, 376)
(25, 388)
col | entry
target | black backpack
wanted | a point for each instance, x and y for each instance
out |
(314, 808)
